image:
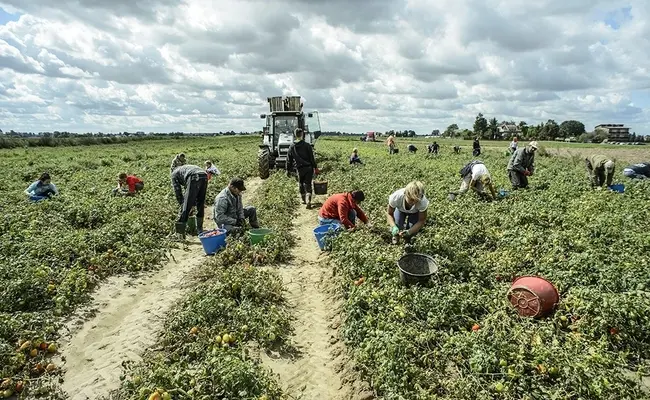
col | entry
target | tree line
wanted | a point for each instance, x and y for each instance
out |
(492, 129)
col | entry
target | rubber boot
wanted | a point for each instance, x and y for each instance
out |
(308, 197)
(180, 230)
(302, 196)
(199, 227)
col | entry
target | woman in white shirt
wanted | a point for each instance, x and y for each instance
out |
(478, 179)
(407, 211)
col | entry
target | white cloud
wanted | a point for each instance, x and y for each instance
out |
(365, 65)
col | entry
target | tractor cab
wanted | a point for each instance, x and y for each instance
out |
(279, 132)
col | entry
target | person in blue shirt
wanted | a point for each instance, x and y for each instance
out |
(42, 189)
(354, 158)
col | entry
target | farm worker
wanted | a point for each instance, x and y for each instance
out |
(178, 161)
(457, 149)
(434, 148)
(343, 208)
(354, 158)
(407, 211)
(600, 169)
(229, 211)
(211, 169)
(41, 189)
(133, 185)
(513, 144)
(637, 171)
(476, 146)
(522, 165)
(390, 142)
(195, 181)
(412, 148)
(301, 158)
(477, 177)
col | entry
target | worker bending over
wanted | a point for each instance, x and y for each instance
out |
(343, 208)
(600, 169)
(522, 165)
(195, 181)
(476, 177)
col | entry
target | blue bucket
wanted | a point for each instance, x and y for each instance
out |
(619, 188)
(212, 244)
(323, 231)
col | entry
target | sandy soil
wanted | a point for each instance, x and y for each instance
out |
(127, 316)
(319, 370)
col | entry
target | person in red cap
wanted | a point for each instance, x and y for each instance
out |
(343, 208)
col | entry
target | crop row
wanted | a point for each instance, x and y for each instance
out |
(459, 338)
(204, 349)
(54, 253)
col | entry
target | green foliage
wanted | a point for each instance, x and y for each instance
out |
(235, 298)
(418, 343)
(53, 253)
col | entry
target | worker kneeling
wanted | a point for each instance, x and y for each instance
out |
(343, 208)
(407, 211)
(477, 177)
(229, 211)
(128, 185)
(600, 169)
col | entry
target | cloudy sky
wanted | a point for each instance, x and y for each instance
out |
(202, 65)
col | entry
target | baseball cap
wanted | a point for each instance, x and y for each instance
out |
(238, 183)
(533, 144)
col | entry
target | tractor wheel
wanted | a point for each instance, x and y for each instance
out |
(264, 161)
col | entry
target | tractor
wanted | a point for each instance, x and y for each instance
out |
(285, 117)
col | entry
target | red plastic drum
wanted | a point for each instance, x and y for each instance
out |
(533, 296)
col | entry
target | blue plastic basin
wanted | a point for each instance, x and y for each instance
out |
(212, 244)
(323, 231)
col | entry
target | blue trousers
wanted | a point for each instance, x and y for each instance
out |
(404, 220)
(352, 216)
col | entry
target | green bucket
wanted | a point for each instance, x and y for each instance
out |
(258, 235)
(191, 225)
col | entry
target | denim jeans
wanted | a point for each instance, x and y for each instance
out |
(352, 216)
(404, 220)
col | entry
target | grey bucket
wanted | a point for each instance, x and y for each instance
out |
(416, 268)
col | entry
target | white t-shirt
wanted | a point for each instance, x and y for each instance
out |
(478, 171)
(396, 200)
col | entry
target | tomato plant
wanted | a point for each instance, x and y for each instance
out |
(459, 338)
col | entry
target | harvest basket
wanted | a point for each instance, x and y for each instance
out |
(416, 268)
(320, 187)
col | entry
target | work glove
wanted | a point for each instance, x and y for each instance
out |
(405, 234)
(394, 230)
(240, 222)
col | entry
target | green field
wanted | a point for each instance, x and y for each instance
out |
(407, 343)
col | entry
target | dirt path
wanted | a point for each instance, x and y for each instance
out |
(128, 317)
(317, 372)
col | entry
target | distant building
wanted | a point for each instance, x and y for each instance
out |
(506, 130)
(615, 132)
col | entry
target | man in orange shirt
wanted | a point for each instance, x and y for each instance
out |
(343, 208)
(133, 183)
